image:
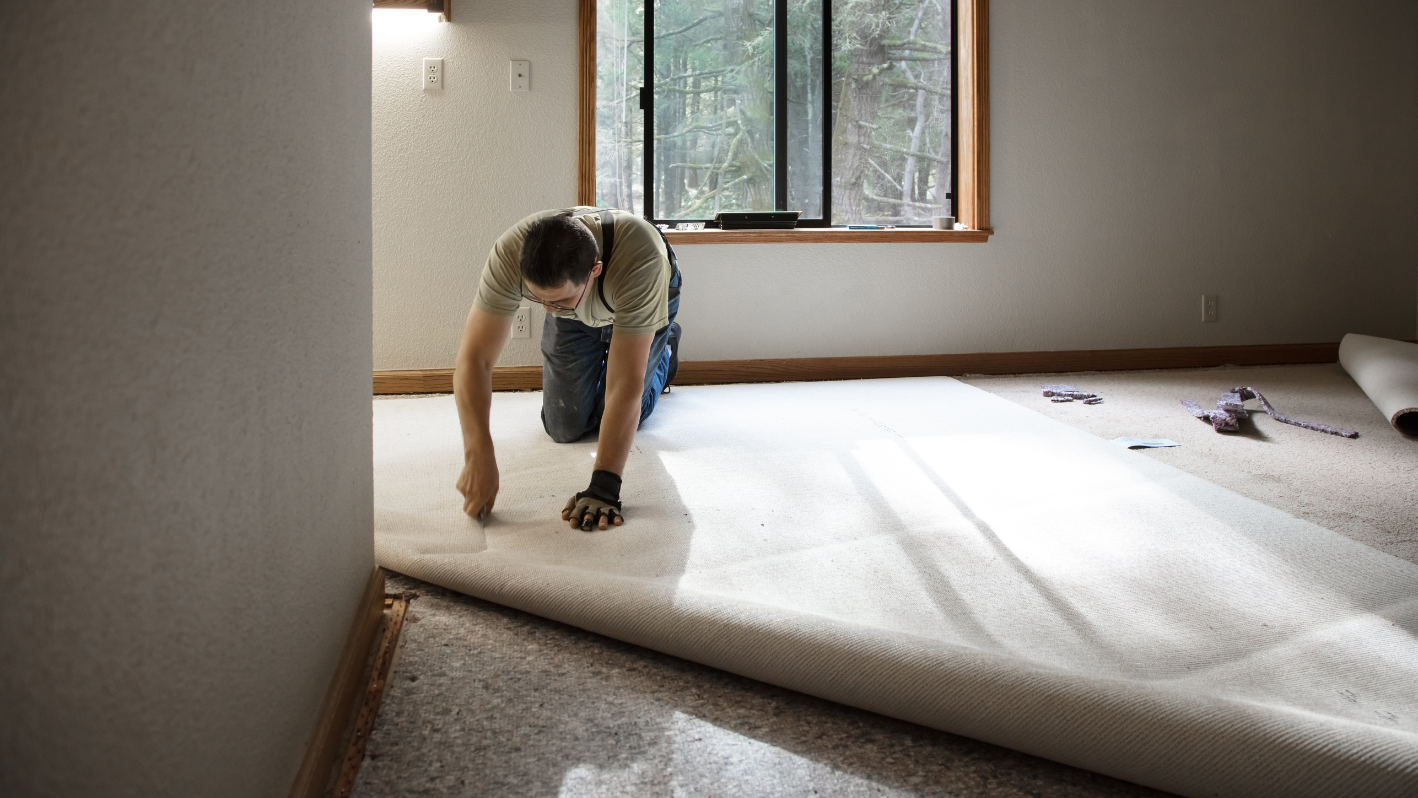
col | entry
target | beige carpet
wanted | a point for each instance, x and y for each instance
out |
(1365, 489)
(926, 550)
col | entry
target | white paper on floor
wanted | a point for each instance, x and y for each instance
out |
(1145, 443)
(927, 550)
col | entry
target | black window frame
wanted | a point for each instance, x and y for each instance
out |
(780, 116)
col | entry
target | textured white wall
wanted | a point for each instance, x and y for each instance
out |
(452, 170)
(1143, 154)
(185, 488)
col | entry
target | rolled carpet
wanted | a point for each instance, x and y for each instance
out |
(1387, 370)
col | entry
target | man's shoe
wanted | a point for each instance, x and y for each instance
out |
(675, 333)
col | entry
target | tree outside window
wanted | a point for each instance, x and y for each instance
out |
(713, 95)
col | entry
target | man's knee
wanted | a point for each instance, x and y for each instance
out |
(564, 427)
(563, 436)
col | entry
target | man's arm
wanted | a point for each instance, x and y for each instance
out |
(483, 338)
(625, 384)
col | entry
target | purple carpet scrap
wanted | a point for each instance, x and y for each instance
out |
(1068, 393)
(1232, 406)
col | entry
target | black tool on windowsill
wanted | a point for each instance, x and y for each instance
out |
(755, 220)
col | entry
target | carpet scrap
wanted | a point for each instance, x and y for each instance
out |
(1230, 408)
(1068, 393)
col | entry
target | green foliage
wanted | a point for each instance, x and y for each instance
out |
(713, 127)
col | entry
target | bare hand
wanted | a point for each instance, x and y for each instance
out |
(479, 483)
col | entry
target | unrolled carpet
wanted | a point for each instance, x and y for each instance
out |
(1364, 489)
(926, 550)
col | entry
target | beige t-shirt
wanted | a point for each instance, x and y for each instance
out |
(637, 280)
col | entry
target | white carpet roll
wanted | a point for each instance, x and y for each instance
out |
(1387, 370)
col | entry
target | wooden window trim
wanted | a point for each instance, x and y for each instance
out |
(972, 149)
(829, 235)
(586, 110)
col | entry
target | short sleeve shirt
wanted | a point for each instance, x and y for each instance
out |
(636, 282)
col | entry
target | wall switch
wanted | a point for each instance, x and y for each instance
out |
(522, 323)
(433, 74)
(1208, 307)
(519, 76)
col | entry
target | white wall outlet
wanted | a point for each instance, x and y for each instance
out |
(519, 76)
(433, 74)
(522, 323)
(1208, 307)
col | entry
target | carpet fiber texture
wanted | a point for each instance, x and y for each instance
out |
(926, 550)
(1365, 489)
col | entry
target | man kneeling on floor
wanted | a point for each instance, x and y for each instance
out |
(610, 285)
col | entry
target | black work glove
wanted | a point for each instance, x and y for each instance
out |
(598, 503)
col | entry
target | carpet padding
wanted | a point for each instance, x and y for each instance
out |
(926, 550)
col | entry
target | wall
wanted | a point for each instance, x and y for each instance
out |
(453, 170)
(1143, 154)
(185, 488)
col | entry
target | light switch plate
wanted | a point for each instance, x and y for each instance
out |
(519, 76)
(433, 74)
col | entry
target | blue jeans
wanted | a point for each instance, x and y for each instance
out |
(574, 374)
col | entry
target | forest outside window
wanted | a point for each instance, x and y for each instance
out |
(843, 110)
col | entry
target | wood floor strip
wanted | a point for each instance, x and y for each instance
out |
(324, 747)
(716, 372)
(395, 607)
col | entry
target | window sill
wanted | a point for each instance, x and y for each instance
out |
(828, 235)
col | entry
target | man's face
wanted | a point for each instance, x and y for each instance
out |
(564, 299)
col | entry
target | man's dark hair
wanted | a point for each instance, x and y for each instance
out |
(558, 248)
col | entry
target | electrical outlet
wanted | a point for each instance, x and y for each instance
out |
(519, 76)
(522, 323)
(1208, 307)
(433, 74)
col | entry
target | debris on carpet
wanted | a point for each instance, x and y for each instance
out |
(1144, 443)
(1068, 393)
(1230, 408)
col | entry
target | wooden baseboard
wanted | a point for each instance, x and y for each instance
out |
(716, 372)
(395, 606)
(856, 368)
(327, 742)
(504, 378)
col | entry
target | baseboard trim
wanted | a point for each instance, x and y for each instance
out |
(504, 378)
(395, 608)
(327, 742)
(856, 368)
(717, 372)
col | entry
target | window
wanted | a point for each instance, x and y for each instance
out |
(752, 107)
